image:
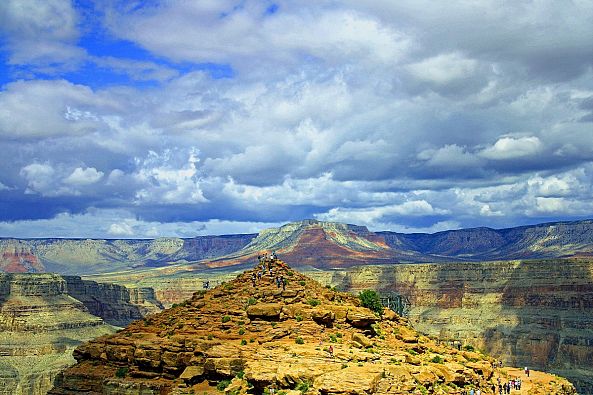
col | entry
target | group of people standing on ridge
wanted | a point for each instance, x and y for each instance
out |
(268, 264)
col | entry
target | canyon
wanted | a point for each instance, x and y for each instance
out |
(43, 317)
(522, 294)
(251, 335)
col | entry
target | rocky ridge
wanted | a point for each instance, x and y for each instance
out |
(249, 335)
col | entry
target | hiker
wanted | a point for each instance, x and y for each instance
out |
(283, 283)
(471, 392)
(479, 392)
(526, 371)
(330, 350)
(253, 278)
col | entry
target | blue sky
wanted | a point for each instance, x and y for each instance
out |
(147, 119)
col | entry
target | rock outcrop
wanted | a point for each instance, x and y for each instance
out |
(526, 313)
(43, 317)
(250, 334)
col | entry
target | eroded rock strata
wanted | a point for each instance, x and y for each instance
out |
(527, 313)
(43, 317)
(260, 336)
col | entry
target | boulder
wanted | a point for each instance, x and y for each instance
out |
(360, 317)
(264, 311)
(362, 340)
(323, 316)
(192, 372)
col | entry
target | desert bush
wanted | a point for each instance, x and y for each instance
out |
(370, 299)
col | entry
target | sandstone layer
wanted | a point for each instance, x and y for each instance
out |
(249, 335)
(43, 317)
(526, 313)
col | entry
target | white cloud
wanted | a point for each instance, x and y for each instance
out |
(39, 177)
(443, 69)
(81, 176)
(375, 215)
(104, 223)
(121, 230)
(165, 183)
(41, 32)
(38, 109)
(513, 148)
(4, 187)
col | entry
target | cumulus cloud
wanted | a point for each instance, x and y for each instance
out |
(512, 148)
(38, 109)
(401, 115)
(166, 183)
(86, 176)
(42, 33)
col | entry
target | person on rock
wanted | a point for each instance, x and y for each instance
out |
(330, 350)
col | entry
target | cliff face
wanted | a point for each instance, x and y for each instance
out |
(249, 335)
(43, 317)
(527, 313)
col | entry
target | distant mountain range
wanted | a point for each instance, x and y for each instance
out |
(305, 243)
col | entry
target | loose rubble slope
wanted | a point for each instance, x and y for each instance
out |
(262, 337)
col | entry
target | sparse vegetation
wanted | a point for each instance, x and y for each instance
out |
(251, 301)
(243, 342)
(210, 337)
(121, 372)
(298, 317)
(221, 386)
(437, 359)
(303, 386)
(226, 318)
(314, 302)
(241, 331)
(371, 300)
(299, 340)
(302, 283)
(469, 347)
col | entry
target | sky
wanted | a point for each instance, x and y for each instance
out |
(135, 119)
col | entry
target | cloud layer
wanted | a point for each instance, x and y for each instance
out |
(405, 115)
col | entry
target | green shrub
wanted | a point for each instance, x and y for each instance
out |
(303, 386)
(298, 317)
(437, 359)
(339, 334)
(121, 372)
(226, 318)
(469, 347)
(210, 337)
(241, 331)
(240, 374)
(370, 299)
(412, 351)
(314, 302)
(243, 342)
(251, 301)
(333, 338)
(252, 340)
(290, 274)
(344, 366)
(299, 340)
(302, 283)
(221, 386)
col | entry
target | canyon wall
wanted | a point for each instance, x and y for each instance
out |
(527, 313)
(43, 317)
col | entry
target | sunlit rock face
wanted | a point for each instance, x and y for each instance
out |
(527, 313)
(43, 317)
(252, 334)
